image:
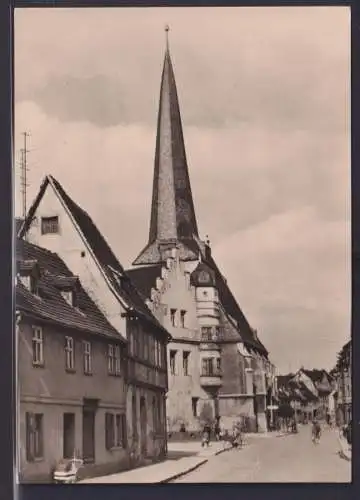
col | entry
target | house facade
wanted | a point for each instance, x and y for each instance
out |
(343, 381)
(71, 372)
(218, 367)
(58, 224)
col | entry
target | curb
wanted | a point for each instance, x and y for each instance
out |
(191, 469)
(182, 473)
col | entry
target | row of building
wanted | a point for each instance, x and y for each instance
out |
(311, 393)
(318, 393)
(110, 360)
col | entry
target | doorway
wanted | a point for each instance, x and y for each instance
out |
(88, 435)
(143, 425)
(68, 435)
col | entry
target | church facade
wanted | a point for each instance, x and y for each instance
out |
(217, 366)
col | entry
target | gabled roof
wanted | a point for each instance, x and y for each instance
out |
(144, 278)
(317, 375)
(101, 250)
(283, 380)
(50, 305)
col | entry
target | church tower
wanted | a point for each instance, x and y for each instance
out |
(173, 219)
(214, 356)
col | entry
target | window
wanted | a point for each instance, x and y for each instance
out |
(158, 353)
(69, 353)
(33, 285)
(114, 360)
(146, 347)
(38, 346)
(68, 296)
(131, 342)
(172, 362)
(154, 414)
(34, 436)
(49, 225)
(115, 430)
(111, 359)
(173, 316)
(117, 360)
(120, 434)
(141, 344)
(218, 365)
(182, 318)
(206, 333)
(207, 367)
(186, 355)
(87, 358)
(194, 404)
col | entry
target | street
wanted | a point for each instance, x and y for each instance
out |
(292, 458)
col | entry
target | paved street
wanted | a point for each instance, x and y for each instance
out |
(292, 458)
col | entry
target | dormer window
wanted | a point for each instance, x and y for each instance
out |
(29, 275)
(50, 225)
(68, 296)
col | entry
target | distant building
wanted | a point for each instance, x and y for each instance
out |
(218, 366)
(57, 223)
(71, 372)
(308, 392)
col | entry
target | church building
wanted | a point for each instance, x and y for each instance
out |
(218, 367)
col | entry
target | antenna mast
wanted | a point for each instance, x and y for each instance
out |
(23, 177)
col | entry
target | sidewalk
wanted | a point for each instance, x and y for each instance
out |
(168, 470)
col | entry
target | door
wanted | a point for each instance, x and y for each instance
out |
(69, 435)
(88, 435)
(143, 425)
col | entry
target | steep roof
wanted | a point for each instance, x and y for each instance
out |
(144, 278)
(50, 305)
(283, 380)
(172, 207)
(110, 265)
(316, 375)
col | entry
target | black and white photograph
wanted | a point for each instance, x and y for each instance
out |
(182, 219)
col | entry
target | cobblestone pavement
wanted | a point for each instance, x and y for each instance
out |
(292, 458)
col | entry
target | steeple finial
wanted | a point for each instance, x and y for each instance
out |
(167, 29)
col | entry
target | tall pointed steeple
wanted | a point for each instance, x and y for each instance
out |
(172, 211)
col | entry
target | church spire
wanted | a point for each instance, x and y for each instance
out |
(172, 209)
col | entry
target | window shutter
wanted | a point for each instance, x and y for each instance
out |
(124, 431)
(29, 437)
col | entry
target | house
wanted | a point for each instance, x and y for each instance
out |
(323, 383)
(58, 224)
(299, 391)
(71, 372)
(218, 367)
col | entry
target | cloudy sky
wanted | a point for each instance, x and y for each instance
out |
(264, 94)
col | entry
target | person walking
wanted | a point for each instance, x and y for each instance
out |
(206, 435)
(315, 431)
(217, 430)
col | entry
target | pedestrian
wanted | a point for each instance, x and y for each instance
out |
(206, 435)
(315, 431)
(217, 429)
